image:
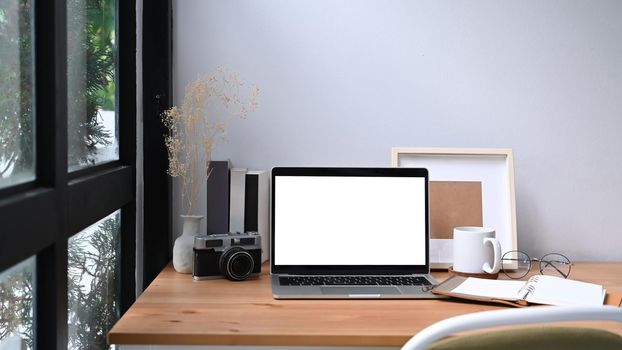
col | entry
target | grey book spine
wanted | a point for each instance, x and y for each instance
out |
(217, 217)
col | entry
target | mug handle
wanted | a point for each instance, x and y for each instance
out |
(497, 256)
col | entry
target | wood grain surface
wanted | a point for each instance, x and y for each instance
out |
(175, 309)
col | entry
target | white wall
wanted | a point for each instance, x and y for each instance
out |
(344, 81)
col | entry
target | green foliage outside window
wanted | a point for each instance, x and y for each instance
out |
(95, 88)
(93, 285)
(16, 140)
(16, 307)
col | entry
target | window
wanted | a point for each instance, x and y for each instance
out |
(93, 273)
(91, 57)
(16, 301)
(53, 194)
(16, 119)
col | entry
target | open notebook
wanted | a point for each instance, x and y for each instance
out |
(538, 289)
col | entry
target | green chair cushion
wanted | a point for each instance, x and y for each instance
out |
(540, 338)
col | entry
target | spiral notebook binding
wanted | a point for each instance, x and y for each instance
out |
(526, 289)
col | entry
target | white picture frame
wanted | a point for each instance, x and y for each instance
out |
(493, 167)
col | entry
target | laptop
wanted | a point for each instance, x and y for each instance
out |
(350, 233)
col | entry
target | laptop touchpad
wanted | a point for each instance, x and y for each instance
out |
(360, 290)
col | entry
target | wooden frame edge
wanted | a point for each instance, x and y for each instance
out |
(507, 152)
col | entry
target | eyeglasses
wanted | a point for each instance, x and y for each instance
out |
(517, 264)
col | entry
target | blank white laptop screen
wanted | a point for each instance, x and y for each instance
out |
(342, 220)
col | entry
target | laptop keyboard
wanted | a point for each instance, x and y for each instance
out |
(353, 281)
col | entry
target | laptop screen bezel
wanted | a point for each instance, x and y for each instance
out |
(349, 269)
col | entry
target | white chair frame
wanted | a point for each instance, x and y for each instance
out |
(486, 319)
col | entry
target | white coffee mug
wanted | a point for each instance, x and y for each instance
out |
(475, 250)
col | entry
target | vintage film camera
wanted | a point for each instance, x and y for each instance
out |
(233, 255)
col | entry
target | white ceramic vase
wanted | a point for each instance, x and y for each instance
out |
(182, 249)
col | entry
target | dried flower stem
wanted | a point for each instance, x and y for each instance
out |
(193, 122)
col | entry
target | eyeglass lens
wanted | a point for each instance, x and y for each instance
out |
(516, 264)
(555, 265)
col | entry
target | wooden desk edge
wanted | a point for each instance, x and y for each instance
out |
(256, 340)
(124, 333)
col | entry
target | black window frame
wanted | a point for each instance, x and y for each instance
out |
(157, 96)
(39, 217)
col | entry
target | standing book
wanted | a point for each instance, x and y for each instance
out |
(257, 208)
(217, 218)
(249, 209)
(539, 289)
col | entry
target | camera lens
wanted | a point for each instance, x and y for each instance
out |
(236, 264)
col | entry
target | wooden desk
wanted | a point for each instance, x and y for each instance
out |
(178, 310)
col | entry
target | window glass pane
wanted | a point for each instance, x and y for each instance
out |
(16, 306)
(91, 71)
(16, 118)
(93, 277)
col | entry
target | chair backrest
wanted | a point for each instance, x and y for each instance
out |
(486, 319)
